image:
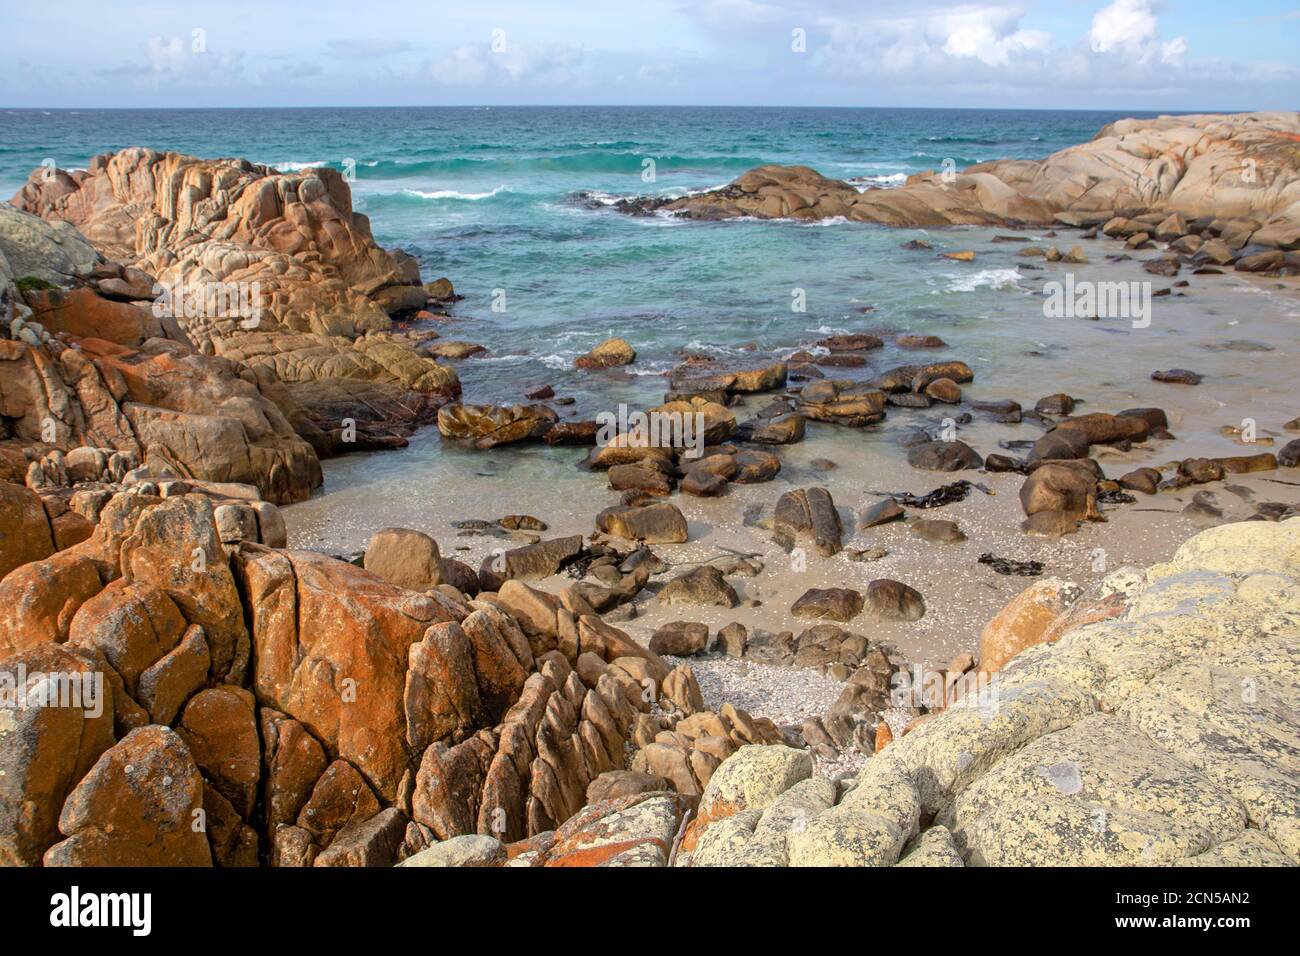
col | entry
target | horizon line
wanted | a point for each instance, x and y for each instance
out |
(687, 106)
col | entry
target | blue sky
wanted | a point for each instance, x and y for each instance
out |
(1105, 54)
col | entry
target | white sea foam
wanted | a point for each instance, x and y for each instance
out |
(558, 361)
(651, 368)
(454, 194)
(885, 181)
(985, 278)
(293, 166)
(695, 345)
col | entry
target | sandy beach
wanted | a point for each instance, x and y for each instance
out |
(1239, 332)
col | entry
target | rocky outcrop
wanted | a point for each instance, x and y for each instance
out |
(608, 354)
(182, 413)
(245, 702)
(80, 371)
(272, 271)
(194, 221)
(1240, 166)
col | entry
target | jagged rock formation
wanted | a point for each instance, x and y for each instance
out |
(80, 370)
(324, 289)
(185, 219)
(88, 359)
(313, 712)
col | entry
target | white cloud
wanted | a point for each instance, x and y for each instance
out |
(1124, 25)
(478, 64)
(1130, 28)
(188, 61)
(1172, 52)
(989, 34)
(941, 40)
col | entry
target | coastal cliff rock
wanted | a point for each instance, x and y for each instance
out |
(89, 359)
(1238, 166)
(184, 219)
(271, 270)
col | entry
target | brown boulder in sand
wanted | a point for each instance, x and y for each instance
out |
(834, 604)
(680, 638)
(1056, 497)
(944, 456)
(808, 513)
(704, 585)
(653, 524)
(892, 600)
(1024, 621)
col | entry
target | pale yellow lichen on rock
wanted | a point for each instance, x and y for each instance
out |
(726, 839)
(1096, 793)
(1168, 735)
(933, 847)
(843, 836)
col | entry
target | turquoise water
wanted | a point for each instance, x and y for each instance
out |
(486, 197)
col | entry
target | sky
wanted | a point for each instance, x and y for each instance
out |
(1065, 54)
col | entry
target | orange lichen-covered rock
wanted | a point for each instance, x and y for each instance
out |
(137, 806)
(1023, 622)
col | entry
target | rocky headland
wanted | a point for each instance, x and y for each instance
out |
(1239, 174)
(402, 706)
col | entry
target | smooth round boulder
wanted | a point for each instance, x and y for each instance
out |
(944, 390)
(938, 530)
(608, 354)
(944, 456)
(829, 604)
(891, 600)
(404, 557)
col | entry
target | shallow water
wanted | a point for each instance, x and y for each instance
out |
(1240, 334)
